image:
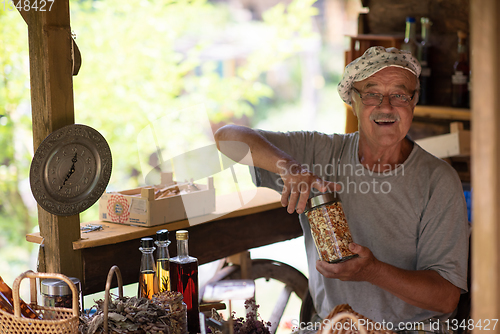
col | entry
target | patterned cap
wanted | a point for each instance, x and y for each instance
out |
(373, 60)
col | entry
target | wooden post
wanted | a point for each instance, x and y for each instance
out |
(485, 42)
(51, 70)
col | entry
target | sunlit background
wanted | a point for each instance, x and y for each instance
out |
(264, 64)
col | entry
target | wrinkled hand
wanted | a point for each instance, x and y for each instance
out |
(298, 183)
(361, 268)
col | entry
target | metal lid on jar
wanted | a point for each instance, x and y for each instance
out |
(56, 287)
(181, 235)
(321, 199)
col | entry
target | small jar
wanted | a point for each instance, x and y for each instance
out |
(173, 303)
(56, 293)
(329, 228)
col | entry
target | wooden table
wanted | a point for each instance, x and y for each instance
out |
(260, 222)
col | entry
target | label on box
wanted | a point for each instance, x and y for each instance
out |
(139, 206)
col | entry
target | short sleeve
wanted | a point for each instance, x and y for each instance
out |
(443, 243)
(309, 148)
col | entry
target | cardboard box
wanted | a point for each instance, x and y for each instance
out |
(455, 144)
(139, 206)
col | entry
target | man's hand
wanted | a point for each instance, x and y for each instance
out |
(298, 183)
(361, 268)
(422, 288)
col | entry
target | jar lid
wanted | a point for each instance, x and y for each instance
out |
(56, 287)
(181, 235)
(162, 235)
(321, 199)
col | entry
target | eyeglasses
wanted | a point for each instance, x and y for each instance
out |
(375, 99)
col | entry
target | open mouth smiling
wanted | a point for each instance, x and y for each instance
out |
(385, 122)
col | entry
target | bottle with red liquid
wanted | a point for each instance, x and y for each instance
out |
(7, 302)
(460, 77)
(147, 277)
(184, 279)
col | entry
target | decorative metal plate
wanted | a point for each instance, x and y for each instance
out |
(70, 170)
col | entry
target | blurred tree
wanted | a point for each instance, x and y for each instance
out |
(141, 59)
(15, 128)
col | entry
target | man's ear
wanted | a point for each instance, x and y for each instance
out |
(416, 98)
(353, 106)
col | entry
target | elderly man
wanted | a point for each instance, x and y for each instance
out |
(405, 207)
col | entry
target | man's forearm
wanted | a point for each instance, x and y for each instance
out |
(423, 288)
(263, 154)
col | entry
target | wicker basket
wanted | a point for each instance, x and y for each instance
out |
(53, 319)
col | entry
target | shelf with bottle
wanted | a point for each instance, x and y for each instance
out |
(443, 112)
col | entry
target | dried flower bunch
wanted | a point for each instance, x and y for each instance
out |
(136, 315)
(248, 325)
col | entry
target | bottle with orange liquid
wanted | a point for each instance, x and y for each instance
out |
(147, 277)
(7, 302)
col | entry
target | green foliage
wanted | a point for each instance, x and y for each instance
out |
(15, 129)
(142, 61)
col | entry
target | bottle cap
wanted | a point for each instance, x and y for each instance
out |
(321, 199)
(425, 21)
(410, 19)
(56, 287)
(147, 242)
(162, 235)
(181, 235)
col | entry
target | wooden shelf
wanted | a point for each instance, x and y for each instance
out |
(447, 113)
(227, 206)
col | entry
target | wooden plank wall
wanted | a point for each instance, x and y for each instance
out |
(447, 16)
(486, 158)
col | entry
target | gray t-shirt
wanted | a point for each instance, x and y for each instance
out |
(413, 217)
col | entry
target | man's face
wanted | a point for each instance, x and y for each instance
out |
(385, 125)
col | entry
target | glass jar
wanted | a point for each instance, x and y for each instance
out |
(56, 293)
(329, 228)
(173, 303)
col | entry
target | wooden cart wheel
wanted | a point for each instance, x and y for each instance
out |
(293, 279)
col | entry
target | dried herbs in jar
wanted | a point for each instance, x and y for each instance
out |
(329, 228)
(56, 293)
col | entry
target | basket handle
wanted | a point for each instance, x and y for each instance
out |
(113, 270)
(33, 276)
(330, 327)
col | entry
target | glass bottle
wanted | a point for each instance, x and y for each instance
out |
(147, 286)
(410, 42)
(7, 302)
(162, 261)
(460, 77)
(184, 279)
(423, 57)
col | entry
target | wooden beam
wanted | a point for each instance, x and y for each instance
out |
(485, 42)
(51, 68)
(76, 55)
